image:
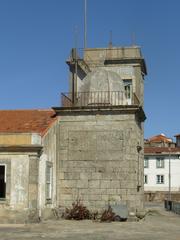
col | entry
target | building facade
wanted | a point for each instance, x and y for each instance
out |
(90, 148)
(21, 169)
(161, 168)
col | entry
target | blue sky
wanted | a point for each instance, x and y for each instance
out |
(36, 37)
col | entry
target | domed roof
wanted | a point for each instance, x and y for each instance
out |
(102, 80)
(101, 87)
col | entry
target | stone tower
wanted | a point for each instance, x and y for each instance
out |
(100, 129)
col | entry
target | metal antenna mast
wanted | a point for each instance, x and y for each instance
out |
(75, 61)
(133, 39)
(85, 24)
(110, 39)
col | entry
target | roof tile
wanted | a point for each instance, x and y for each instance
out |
(160, 138)
(26, 121)
(161, 150)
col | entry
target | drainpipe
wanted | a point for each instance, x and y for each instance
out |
(139, 148)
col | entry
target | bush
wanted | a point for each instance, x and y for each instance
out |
(108, 215)
(80, 212)
(77, 212)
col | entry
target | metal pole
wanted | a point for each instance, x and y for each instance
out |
(85, 24)
(169, 197)
(76, 72)
(76, 64)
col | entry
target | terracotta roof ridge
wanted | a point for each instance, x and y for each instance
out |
(162, 149)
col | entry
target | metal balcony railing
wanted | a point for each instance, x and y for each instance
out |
(98, 98)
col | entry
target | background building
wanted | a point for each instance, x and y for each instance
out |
(161, 168)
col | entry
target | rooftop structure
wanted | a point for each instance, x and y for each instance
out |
(105, 76)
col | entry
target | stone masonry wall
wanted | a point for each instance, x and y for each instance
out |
(98, 160)
(21, 202)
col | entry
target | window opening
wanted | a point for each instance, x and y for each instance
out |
(160, 179)
(128, 90)
(48, 182)
(146, 163)
(2, 182)
(145, 179)
(160, 162)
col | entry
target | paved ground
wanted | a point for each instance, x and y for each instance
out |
(158, 225)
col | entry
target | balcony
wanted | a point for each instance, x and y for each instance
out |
(97, 99)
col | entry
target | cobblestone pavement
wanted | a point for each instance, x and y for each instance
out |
(157, 225)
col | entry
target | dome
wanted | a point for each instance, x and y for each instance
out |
(102, 80)
(101, 87)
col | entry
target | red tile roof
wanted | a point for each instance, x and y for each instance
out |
(160, 138)
(156, 150)
(26, 121)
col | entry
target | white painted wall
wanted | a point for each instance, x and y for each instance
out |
(152, 171)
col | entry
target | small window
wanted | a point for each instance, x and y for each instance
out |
(2, 181)
(160, 179)
(146, 163)
(48, 181)
(128, 88)
(145, 179)
(160, 163)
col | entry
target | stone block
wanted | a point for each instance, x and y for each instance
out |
(108, 175)
(61, 175)
(82, 183)
(98, 204)
(97, 191)
(66, 197)
(85, 175)
(105, 184)
(105, 197)
(110, 140)
(115, 198)
(68, 183)
(94, 197)
(111, 191)
(121, 191)
(94, 183)
(115, 184)
(96, 175)
(82, 140)
(77, 155)
(72, 175)
(63, 155)
(66, 190)
(128, 185)
(109, 155)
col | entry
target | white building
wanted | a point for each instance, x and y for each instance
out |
(161, 167)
